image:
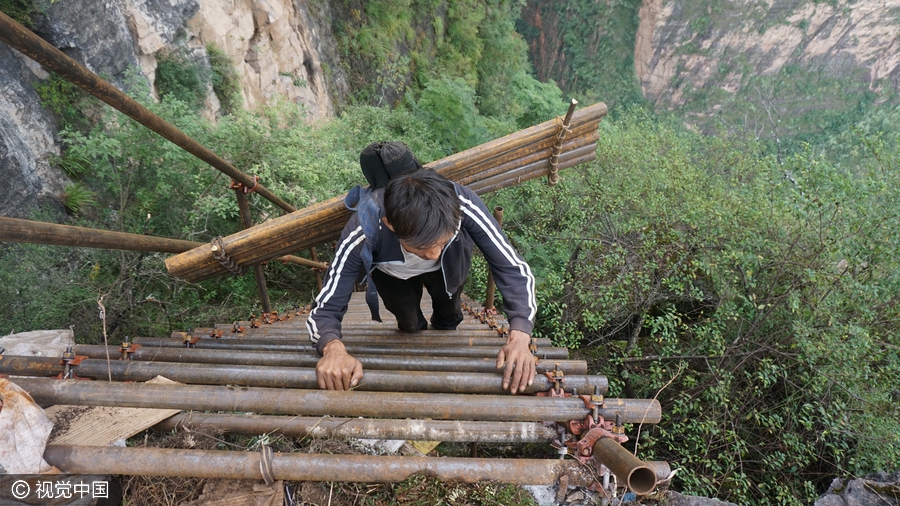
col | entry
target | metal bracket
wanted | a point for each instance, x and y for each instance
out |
(189, 341)
(216, 333)
(237, 328)
(70, 360)
(127, 349)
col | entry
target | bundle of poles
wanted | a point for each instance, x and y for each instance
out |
(498, 164)
(433, 386)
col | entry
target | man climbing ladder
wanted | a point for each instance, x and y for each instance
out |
(415, 229)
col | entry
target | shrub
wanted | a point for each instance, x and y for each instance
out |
(693, 265)
(180, 78)
(226, 81)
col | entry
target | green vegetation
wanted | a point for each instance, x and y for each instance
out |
(22, 11)
(71, 105)
(466, 58)
(737, 289)
(178, 76)
(588, 47)
(78, 198)
(226, 82)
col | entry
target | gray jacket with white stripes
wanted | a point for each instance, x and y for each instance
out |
(511, 273)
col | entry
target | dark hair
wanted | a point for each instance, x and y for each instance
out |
(422, 207)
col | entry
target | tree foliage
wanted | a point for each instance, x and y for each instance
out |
(737, 289)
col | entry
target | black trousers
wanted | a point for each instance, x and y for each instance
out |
(403, 298)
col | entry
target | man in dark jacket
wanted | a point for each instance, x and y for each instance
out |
(418, 232)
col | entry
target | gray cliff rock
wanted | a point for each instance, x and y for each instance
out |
(882, 489)
(26, 139)
(750, 64)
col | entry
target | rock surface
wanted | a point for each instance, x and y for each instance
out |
(26, 139)
(882, 489)
(687, 46)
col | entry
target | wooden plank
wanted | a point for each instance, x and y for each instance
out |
(102, 426)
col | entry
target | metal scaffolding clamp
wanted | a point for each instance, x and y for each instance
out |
(253, 323)
(127, 348)
(237, 328)
(216, 333)
(70, 360)
(189, 340)
(235, 185)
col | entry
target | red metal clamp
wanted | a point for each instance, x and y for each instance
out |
(127, 349)
(243, 188)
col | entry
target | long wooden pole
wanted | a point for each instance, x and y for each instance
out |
(39, 232)
(323, 222)
(258, 273)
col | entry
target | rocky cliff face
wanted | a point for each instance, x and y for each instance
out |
(769, 58)
(26, 139)
(276, 46)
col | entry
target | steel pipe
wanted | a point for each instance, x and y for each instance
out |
(29, 44)
(366, 428)
(510, 408)
(432, 351)
(289, 377)
(276, 335)
(629, 470)
(39, 232)
(306, 467)
(258, 273)
(289, 359)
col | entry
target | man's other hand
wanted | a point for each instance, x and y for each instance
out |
(337, 369)
(519, 370)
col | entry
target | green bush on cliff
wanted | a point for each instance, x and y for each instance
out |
(758, 300)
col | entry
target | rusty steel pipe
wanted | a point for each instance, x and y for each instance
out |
(274, 335)
(366, 428)
(323, 221)
(353, 348)
(629, 470)
(258, 273)
(29, 44)
(289, 377)
(307, 467)
(279, 401)
(289, 359)
(39, 232)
